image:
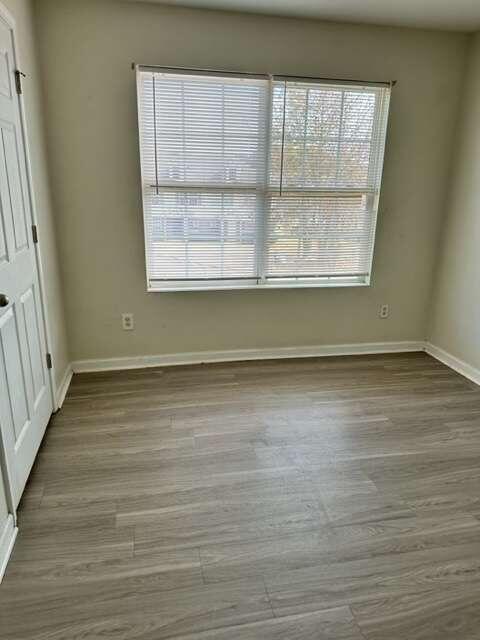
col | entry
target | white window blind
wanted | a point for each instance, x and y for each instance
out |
(258, 181)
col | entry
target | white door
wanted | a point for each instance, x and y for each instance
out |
(25, 398)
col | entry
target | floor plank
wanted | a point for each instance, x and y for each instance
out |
(328, 498)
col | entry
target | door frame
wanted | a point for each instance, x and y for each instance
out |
(9, 20)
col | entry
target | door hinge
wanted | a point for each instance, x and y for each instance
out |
(18, 80)
(35, 233)
(49, 360)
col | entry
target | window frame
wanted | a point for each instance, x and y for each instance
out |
(264, 194)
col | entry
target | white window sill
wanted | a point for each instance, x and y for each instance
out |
(173, 287)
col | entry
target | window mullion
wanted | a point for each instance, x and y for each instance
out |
(263, 198)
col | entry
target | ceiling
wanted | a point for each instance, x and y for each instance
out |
(455, 15)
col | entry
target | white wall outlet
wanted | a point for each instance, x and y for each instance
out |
(127, 322)
(384, 311)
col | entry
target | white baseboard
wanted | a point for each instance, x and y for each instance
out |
(63, 387)
(454, 363)
(199, 357)
(7, 540)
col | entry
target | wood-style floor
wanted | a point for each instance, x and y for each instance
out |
(334, 498)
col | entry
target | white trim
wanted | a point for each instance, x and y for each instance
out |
(460, 366)
(199, 357)
(62, 388)
(171, 286)
(7, 540)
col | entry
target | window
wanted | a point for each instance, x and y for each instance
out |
(254, 181)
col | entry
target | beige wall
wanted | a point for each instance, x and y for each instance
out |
(22, 11)
(455, 322)
(87, 49)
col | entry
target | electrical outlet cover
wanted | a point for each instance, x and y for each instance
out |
(127, 321)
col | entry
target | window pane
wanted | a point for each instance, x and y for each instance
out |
(319, 236)
(205, 130)
(329, 137)
(326, 154)
(204, 156)
(201, 235)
